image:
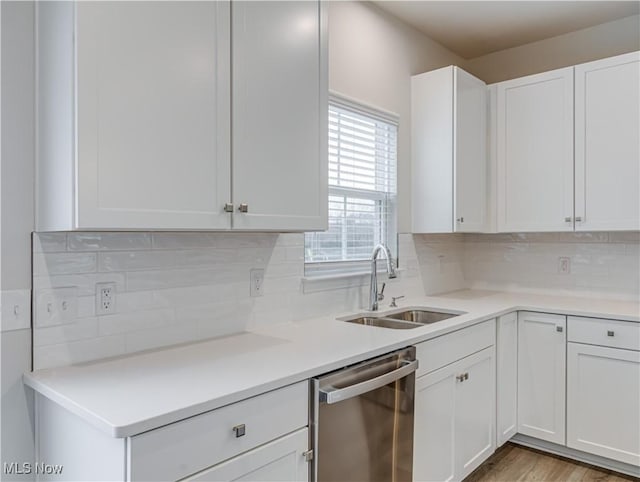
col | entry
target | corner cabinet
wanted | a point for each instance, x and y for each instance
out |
(140, 125)
(448, 121)
(506, 377)
(535, 152)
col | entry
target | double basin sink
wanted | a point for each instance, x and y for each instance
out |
(404, 320)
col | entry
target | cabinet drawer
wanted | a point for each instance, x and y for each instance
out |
(596, 331)
(446, 349)
(188, 446)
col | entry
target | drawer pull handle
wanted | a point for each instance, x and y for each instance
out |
(610, 333)
(559, 329)
(240, 430)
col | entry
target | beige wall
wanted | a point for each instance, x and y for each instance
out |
(605, 40)
(372, 56)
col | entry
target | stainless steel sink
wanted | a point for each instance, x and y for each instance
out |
(403, 320)
(424, 317)
(382, 322)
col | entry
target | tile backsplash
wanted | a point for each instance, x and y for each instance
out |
(601, 264)
(173, 288)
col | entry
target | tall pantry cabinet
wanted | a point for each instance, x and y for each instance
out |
(141, 127)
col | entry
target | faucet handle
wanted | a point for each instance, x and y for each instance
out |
(393, 301)
(381, 294)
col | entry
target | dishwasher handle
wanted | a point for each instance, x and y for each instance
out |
(333, 395)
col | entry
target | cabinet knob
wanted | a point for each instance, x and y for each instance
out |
(228, 208)
(240, 430)
(460, 220)
(559, 329)
(578, 219)
(243, 208)
(568, 219)
(460, 377)
(610, 333)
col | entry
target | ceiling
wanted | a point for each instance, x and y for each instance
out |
(475, 28)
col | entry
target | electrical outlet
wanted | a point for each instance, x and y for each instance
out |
(256, 277)
(564, 265)
(105, 298)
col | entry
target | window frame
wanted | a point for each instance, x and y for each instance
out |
(352, 267)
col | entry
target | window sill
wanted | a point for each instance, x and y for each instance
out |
(356, 279)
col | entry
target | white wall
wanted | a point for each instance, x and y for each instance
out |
(372, 57)
(605, 40)
(16, 208)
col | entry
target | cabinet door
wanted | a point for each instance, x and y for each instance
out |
(475, 412)
(469, 152)
(282, 460)
(535, 152)
(608, 144)
(541, 376)
(603, 401)
(279, 121)
(434, 423)
(152, 115)
(507, 377)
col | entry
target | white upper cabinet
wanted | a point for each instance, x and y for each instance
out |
(139, 137)
(279, 130)
(135, 122)
(535, 152)
(607, 149)
(448, 119)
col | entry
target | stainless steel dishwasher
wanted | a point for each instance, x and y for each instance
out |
(362, 420)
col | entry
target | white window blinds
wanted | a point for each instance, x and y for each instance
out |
(362, 186)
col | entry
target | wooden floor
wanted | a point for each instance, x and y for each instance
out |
(516, 463)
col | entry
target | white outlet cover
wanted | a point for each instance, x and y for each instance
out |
(56, 306)
(100, 309)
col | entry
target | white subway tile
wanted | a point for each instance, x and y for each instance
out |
(162, 279)
(85, 283)
(51, 264)
(62, 354)
(49, 242)
(82, 328)
(108, 241)
(136, 260)
(148, 320)
(161, 337)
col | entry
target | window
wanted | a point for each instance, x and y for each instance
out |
(362, 190)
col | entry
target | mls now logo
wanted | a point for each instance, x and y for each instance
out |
(15, 468)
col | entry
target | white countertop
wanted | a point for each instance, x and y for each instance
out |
(128, 395)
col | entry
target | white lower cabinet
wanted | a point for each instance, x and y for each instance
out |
(455, 413)
(603, 392)
(263, 438)
(507, 377)
(278, 461)
(541, 376)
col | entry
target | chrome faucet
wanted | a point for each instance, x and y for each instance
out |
(374, 296)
